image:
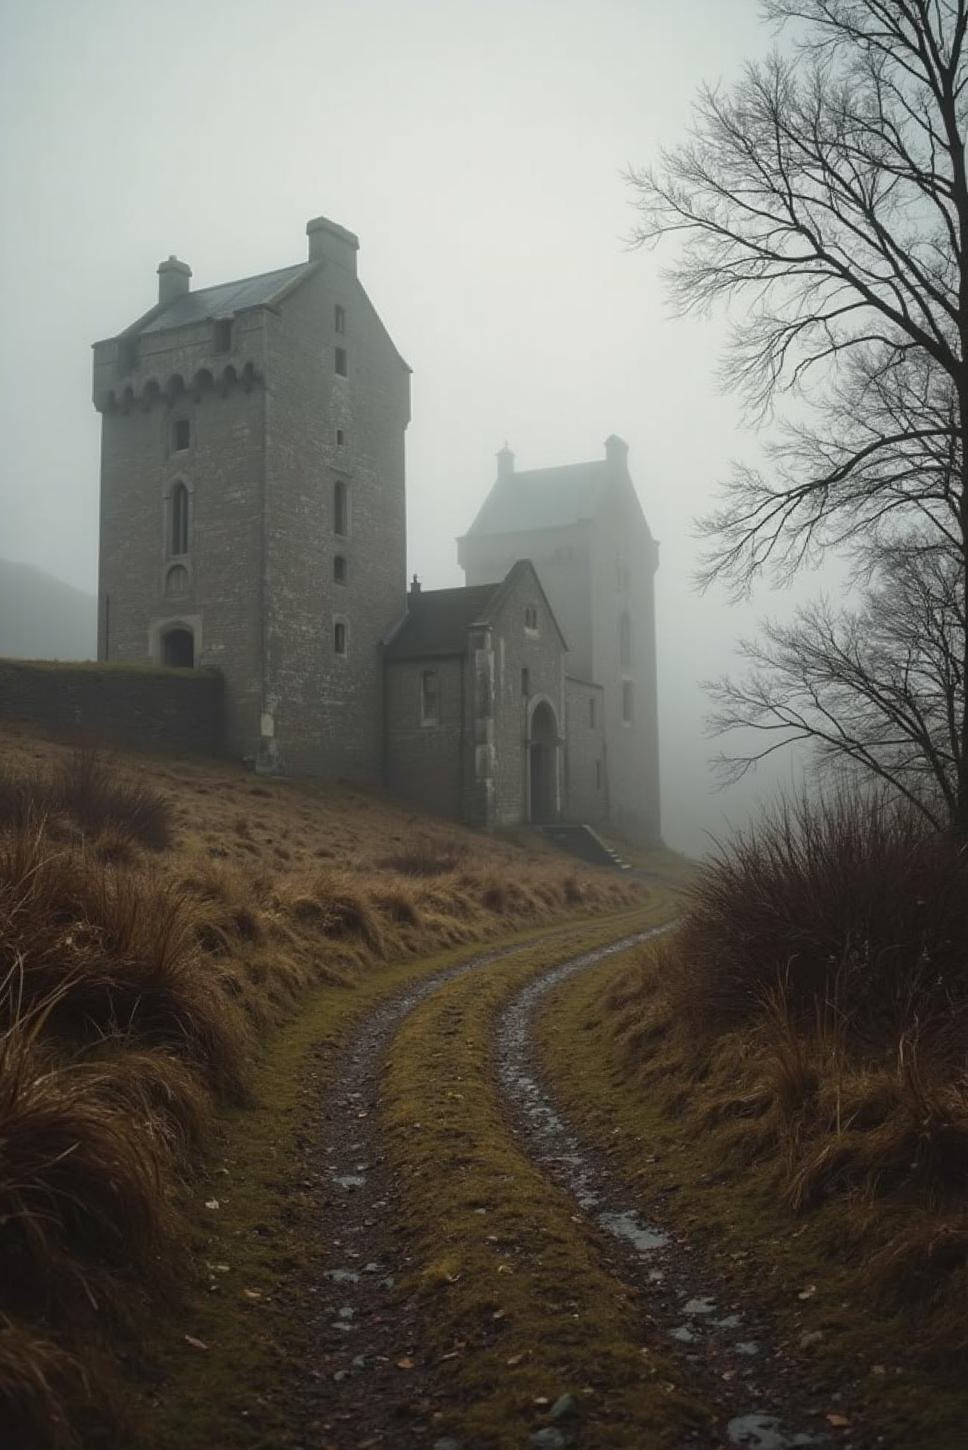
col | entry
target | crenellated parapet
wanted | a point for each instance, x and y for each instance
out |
(123, 394)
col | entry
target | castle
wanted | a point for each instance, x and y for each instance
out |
(253, 521)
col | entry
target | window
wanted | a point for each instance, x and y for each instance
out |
(181, 434)
(339, 362)
(339, 319)
(531, 617)
(223, 335)
(178, 520)
(429, 698)
(176, 580)
(341, 513)
(340, 438)
(628, 702)
(625, 639)
(591, 712)
(525, 681)
(339, 637)
(598, 775)
(339, 569)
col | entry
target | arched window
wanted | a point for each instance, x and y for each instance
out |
(178, 521)
(625, 638)
(340, 508)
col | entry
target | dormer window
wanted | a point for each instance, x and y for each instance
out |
(181, 435)
(339, 319)
(222, 341)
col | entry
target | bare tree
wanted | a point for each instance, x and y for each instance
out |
(826, 194)
(880, 687)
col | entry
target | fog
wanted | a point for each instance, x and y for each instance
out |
(477, 149)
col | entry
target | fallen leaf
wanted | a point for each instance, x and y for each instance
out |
(195, 1343)
(405, 1363)
(252, 1293)
(839, 1422)
(515, 1359)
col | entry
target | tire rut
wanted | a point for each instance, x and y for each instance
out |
(725, 1345)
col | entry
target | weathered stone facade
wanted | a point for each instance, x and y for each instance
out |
(253, 522)
(583, 528)
(271, 414)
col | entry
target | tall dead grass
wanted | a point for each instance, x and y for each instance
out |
(812, 1014)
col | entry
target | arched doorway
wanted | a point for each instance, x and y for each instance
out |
(543, 764)
(178, 649)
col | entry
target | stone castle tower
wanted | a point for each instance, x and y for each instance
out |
(583, 528)
(252, 501)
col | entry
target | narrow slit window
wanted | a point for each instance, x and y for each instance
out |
(178, 521)
(625, 638)
(429, 698)
(341, 513)
(339, 569)
(339, 319)
(339, 637)
(339, 362)
(181, 434)
(525, 681)
(340, 438)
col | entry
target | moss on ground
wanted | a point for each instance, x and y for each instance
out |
(216, 1369)
(638, 1101)
(514, 1286)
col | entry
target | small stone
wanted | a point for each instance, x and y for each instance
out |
(564, 1408)
(811, 1337)
(548, 1439)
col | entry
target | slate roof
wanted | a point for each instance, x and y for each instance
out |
(438, 620)
(220, 301)
(543, 498)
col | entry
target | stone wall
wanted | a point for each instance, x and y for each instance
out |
(586, 782)
(176, 711)
(425, 761)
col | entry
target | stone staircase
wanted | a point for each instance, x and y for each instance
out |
(583, 842)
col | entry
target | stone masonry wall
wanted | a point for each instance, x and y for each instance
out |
(586, 780)
(176, 711)
(424, 761)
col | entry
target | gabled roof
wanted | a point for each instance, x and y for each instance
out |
(223, 300)
(543, 498)
(438, 620)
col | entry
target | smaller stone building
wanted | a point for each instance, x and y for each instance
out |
(477, 696)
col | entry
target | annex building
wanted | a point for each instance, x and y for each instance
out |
(253, 522)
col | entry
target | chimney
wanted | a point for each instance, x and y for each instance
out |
(414, 587)
(617, 453)
(505, 462)
(329, 242)
(174, 280)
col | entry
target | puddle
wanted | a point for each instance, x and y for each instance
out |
(629, 1226)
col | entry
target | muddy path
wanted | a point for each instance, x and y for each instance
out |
(371, 1381)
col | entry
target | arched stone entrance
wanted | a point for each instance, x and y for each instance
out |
(178, 649)
(542, 764)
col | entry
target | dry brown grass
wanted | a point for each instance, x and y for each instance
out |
(155, 921)
(811, 1020)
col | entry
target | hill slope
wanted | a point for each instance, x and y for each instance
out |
(42, 617)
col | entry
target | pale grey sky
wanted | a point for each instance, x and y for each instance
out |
(476, 147)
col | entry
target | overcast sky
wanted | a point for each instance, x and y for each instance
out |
(477, 149)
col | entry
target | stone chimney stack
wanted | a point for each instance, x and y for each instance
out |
(505, 463)
(329, 242)
(174, 280)
(414, 587)
(617, 453)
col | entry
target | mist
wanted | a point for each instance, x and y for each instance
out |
(479, 153)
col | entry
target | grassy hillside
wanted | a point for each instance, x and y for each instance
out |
(156, 921)
(43, 618)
